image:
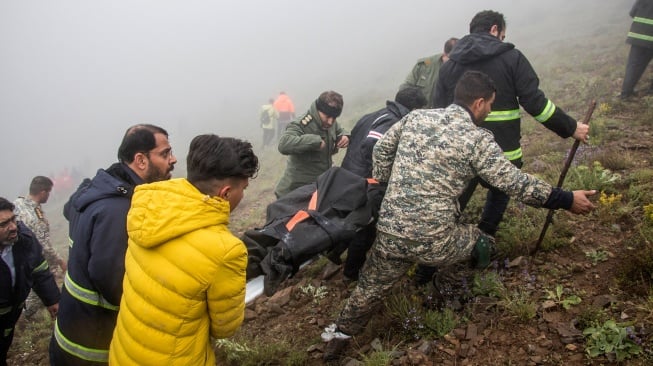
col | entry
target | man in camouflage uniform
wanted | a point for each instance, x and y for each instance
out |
(29, 211)
(427, 159)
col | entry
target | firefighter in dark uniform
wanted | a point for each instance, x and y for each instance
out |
(517, 84)
(640, 38)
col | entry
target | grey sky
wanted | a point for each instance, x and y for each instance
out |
(74, 74)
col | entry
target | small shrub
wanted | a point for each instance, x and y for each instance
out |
(520, 305)
(594, 177)
(634, 272)
(440, 322)
(591, 315)
(382, 357)
(244, 354)
(560, 298)
(416, 322)
(315, 293)
(611, 338)
(488, 284)
(597, 256)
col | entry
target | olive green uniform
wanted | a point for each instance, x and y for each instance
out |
(424, 76)
(301, 142)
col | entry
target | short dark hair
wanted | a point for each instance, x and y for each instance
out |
(214, 157)
(411, 97)
(448, 45)
(330, 103)
(5, 205)
(39, 184)
(484, 20)
(473, 85)
(138, 139)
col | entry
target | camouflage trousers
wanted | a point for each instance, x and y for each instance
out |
(389, 259)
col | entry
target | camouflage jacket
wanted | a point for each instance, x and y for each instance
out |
(428, 158)
(32, 215)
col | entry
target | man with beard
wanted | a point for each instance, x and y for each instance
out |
(22, 268)
(427, 159)
(97, 214)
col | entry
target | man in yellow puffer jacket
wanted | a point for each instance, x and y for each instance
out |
(185, 272)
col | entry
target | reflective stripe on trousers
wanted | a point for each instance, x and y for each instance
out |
(79, 351)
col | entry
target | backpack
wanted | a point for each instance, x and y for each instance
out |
(265, 118)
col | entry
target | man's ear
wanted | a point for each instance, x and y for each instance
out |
(224, 191)
(494, 30)
(141, 161)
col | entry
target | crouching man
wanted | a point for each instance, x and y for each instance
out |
(427, 159)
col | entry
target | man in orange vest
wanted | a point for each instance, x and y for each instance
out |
(286, 110)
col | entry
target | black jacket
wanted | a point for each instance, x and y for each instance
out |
(367, 131)
(97, 215)
(32, 272)
(344, 203)
(517, 84)
(641, 31)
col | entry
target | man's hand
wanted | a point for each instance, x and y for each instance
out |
(582, 132)
(343, 141)
(53, 309)
(582, 205)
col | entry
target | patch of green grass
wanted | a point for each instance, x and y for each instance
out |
(250, 353)
(520, 305)
(488, 284)
(414, 321)
(379, 357)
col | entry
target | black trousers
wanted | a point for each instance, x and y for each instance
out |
(7, 325)
(357, 251)
(638, 60)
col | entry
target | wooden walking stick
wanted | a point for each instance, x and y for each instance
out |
(563, 174)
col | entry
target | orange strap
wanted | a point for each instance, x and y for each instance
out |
(372, 181)
(302, 215)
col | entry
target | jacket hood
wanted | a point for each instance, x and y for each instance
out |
(165, 210)
(397, 109)
(477, 47)
(113, 182)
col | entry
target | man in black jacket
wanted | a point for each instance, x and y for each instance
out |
(640, 38)
(97, 230)
(22, 268)
(517, 84)
(367, 131)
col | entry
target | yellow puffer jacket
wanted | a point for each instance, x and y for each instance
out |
(184, 278)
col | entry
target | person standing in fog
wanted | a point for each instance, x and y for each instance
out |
(286, 109)
(268, 117)
(640, 38)
(30, 212)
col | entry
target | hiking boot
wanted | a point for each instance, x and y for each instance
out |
(482, 252)
(424, 274)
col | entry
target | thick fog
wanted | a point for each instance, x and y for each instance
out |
(74, 74)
